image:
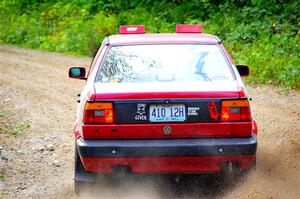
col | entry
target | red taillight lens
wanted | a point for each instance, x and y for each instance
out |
(98, 113)
(107, 117)
(235, 110)
(88, 117)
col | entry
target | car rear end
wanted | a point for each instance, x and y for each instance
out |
(204, 135)
(176, 105)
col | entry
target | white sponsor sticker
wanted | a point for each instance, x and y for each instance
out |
(193, 110)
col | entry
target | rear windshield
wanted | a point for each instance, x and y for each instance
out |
(164, 63)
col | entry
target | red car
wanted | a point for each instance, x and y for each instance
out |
(162, 103)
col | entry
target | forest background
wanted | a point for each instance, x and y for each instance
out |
(263, 34)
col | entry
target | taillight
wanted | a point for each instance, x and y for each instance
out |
(235, 110)
(98, 113)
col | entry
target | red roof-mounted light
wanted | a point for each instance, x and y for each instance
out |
(138, 29)
(183, 28)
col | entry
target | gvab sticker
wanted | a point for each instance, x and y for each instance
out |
(141, 112)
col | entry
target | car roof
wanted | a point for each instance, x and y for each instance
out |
(127, 39)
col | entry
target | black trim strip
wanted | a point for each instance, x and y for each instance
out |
(167, 148)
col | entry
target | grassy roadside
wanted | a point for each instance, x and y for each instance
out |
(262, 34)
(10, 128)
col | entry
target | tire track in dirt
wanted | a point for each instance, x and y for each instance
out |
(35, 90)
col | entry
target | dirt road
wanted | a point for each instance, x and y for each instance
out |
(37, 161)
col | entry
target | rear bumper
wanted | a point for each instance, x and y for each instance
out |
(178, 155)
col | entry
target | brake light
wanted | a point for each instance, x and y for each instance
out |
(98, 113)
(235, 110)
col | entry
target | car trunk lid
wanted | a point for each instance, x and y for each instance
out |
(135, 106)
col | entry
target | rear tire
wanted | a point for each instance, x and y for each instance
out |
(235, 174)
(254, 164)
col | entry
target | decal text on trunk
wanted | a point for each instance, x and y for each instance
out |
(193, 110)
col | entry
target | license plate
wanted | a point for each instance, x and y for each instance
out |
(167, 113)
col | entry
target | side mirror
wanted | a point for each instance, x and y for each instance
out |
(243, 70)
(77, 73)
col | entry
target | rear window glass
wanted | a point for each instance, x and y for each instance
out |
(164, 63)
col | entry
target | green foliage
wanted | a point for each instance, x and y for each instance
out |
(14, 130)
(18, 129)
(263, 34)
(2, 176)
(10, 128)
(2, 114)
